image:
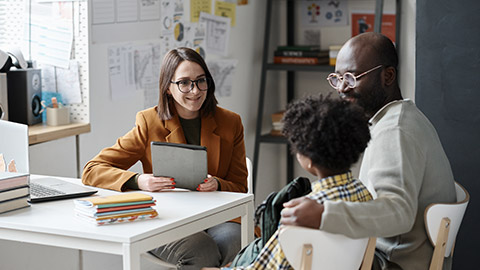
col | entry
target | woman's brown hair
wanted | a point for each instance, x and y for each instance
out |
(169, 65)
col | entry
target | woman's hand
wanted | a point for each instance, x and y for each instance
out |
(210, 184)
(148, 182)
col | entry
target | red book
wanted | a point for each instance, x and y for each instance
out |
(10, 180)
(298, 60)
(118, 208)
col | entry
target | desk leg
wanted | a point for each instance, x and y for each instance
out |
(247, 224)
(77, 150)
(131, 257)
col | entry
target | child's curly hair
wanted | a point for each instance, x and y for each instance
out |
(331, 132)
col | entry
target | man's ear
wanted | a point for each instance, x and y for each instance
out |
(390, 75)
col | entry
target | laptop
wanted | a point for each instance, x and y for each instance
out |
(14, 146)
(50, 188)
(186, 163)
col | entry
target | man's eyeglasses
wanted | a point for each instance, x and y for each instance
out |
(337, 80)
(185, 86)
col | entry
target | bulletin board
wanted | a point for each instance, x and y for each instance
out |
(17, 32)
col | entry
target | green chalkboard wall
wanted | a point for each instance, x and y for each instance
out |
(448, 92)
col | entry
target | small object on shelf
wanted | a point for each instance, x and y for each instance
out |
(58, 116)
(277, 124)
(333, 54)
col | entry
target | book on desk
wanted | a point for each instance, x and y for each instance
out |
(122, 208)
(14, 191)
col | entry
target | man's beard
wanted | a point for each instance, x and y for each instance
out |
(371, 101)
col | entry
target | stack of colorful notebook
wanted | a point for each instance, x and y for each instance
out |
(121, 208)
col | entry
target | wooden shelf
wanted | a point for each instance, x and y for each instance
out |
(268, 138)
(42, 133)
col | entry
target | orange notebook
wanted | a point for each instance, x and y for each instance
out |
(113, 199)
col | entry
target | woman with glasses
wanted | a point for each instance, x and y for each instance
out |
(187, 112)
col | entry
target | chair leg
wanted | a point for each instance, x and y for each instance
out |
(369, 253)
(440, 245)
(307, 253)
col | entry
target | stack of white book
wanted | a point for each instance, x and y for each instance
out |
(14, 191)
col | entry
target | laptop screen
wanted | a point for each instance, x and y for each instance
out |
(14, 145)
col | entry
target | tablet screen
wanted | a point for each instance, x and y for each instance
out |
(186, 163)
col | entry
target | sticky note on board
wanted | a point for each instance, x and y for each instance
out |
(226, 9)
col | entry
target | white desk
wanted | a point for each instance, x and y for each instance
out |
(180, 214)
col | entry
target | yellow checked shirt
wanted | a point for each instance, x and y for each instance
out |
(338, 187)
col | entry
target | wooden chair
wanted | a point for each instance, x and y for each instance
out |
(151, 262)
(307, 249)
(442, 221)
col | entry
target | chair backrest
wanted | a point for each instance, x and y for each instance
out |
(442, 221)
(307, 248)
(250, 176)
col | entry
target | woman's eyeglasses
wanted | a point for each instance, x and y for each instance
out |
(336, 80)
(185, 86)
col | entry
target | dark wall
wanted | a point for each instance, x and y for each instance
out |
(448, 92)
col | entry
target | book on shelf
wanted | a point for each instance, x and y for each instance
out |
(297, 53)
(298, 48)
(9, 180)
(126, 207)
(7, 194)
(300, 60)
(277, 124)
(14, 204)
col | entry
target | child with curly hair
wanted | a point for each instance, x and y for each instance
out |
(327, 136)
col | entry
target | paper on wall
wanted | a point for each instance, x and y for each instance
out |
(217, 33)
(222, 71)
(64, 81)
(226, 9)
(121, 71)
(197, 6)
(147, 61)
(324, 12)
(50, 32)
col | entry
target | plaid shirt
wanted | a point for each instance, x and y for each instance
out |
(338, 187)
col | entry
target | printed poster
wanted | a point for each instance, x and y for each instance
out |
(217, 33)
(324, 13)
(364, 22)
(197, 6)
(226, 9)
(222, 72)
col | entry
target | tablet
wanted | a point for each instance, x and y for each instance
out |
(186, 163)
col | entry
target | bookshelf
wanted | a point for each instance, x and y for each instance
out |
(291, 70)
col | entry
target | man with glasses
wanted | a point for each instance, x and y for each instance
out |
(405, 162)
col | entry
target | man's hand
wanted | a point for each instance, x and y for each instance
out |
(303, 212)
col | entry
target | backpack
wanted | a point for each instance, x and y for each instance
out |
(268, 215)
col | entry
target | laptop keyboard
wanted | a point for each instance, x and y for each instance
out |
(37, 190)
